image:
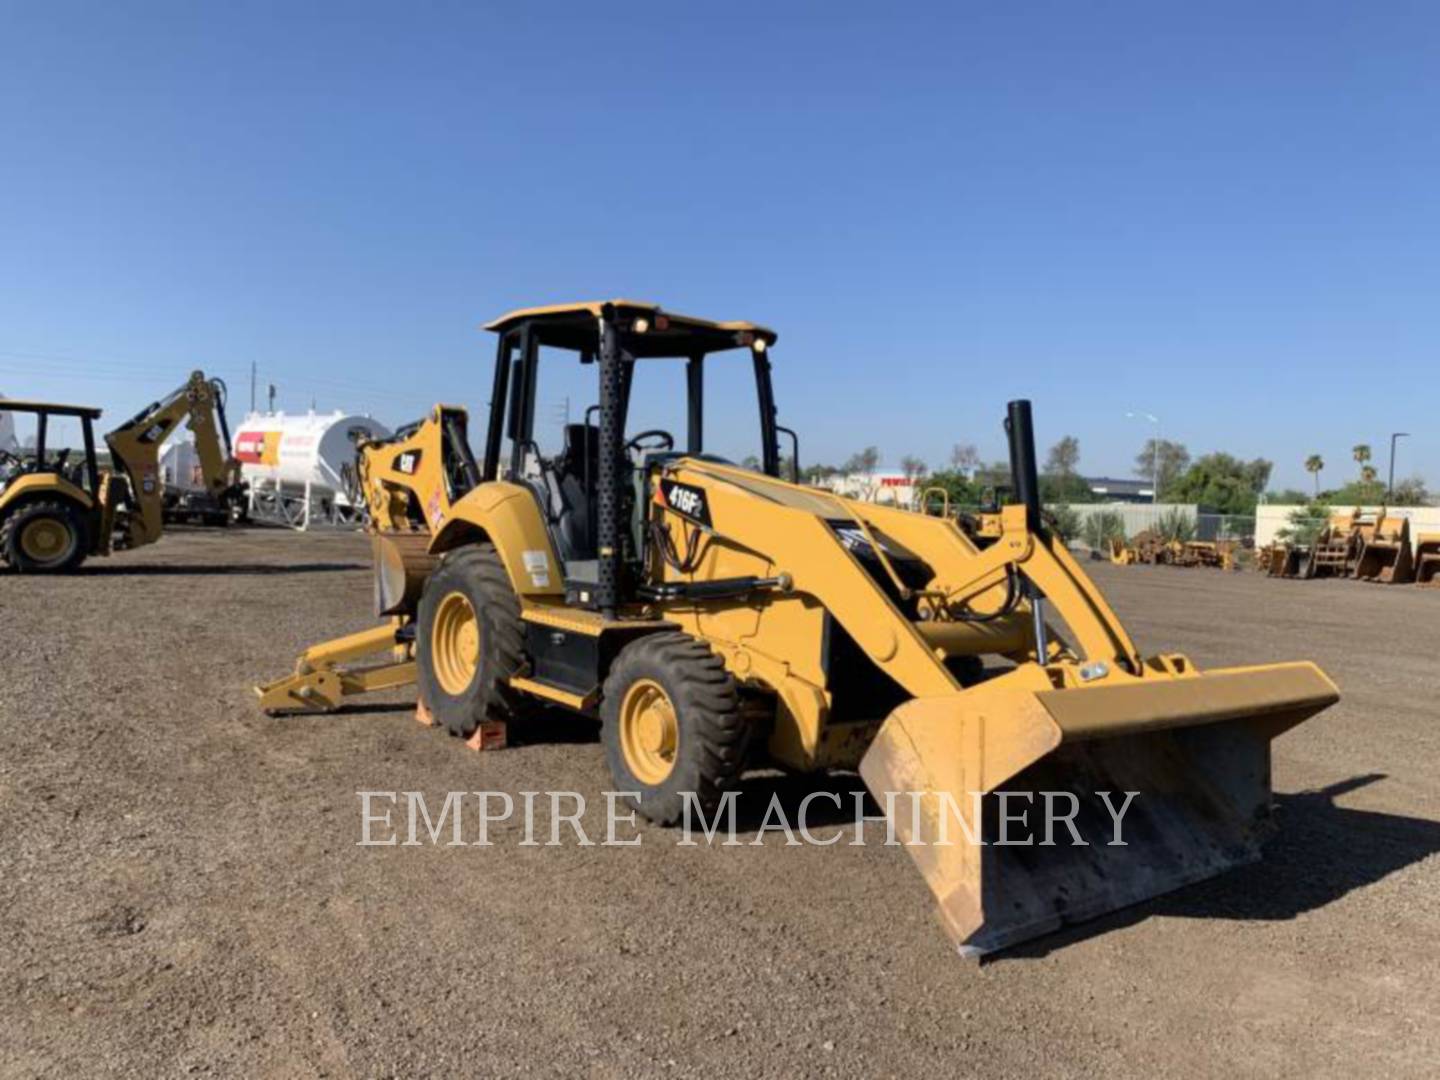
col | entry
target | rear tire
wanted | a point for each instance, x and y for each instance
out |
(44, 537)
(672, 725)
(469, 640)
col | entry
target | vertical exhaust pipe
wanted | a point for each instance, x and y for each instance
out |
(1020, 431)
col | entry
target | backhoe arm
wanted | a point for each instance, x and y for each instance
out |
(135, 448)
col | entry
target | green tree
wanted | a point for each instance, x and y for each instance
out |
(1063, 457)
(1361, 453)
(1313, 464)
(1410, 492)
(1286, 496)
(961, 489)
(1222, 483)
(1304, 523)
(965, 458)
(866, 461)
(913, 468)
(1174, 459)
(1056, 489)
(813, 474)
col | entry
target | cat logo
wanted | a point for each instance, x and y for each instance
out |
(689, 502)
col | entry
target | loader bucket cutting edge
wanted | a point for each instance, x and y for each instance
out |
(1195, 748)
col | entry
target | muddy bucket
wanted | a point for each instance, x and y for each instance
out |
(991, 788)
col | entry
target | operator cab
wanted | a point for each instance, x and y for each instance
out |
(583, 493)
(44, 438)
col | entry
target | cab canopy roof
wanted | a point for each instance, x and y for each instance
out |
(17, 405)
(652, 331)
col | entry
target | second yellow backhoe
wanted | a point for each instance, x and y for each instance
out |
(58, 507)
(716, 618)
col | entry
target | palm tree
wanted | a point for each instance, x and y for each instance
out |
(1362, 454)
(1368, 474)
(1313, 464)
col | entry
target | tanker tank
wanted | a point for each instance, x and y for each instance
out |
(301, 468)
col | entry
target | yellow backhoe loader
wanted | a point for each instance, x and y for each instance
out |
(714, 617)
(58, 507)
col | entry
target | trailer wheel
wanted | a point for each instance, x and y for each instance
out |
(672, 725)
(469, 641)
(44, 538)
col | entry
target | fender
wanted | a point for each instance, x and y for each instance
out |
(40, 485)
(506, 514)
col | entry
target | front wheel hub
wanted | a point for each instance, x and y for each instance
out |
(456, 637)
(649, 731)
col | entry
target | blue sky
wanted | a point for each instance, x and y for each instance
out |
(1227, 215)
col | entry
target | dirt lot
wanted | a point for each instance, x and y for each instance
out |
(182, 891)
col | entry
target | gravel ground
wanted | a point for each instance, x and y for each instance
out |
(183, 894)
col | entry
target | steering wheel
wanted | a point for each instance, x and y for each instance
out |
(666, 440)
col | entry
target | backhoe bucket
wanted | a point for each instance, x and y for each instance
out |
(980, 785)
(1386, 556)
(1427, 559)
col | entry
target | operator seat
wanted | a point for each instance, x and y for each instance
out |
(573, 493)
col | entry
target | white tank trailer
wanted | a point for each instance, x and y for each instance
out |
(301, 468)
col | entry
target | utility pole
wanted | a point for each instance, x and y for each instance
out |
(1154, 453)
(272, 397)
(1390, 484)
(252, 386)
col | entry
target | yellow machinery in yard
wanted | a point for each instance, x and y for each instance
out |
(1385, 555)
(1427, 559)
(1337, 546)
(1366, 546)
(57, 506)
(714, 618)
(408, 483)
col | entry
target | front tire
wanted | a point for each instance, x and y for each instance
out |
(44, 538)
(469, 640)
(672, 725)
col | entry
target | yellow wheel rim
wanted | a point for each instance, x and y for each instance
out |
(45, 540)
(649, 732)
(456, 639)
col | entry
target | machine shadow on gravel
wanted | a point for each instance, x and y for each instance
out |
(1362, 846)
(219, 570)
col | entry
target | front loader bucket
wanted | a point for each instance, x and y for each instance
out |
(1194, 748)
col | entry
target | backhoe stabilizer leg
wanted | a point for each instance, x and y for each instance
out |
(320, 685)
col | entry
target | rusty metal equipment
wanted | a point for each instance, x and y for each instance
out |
(1427, 559)
(1385, 556)
(1337, 546)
